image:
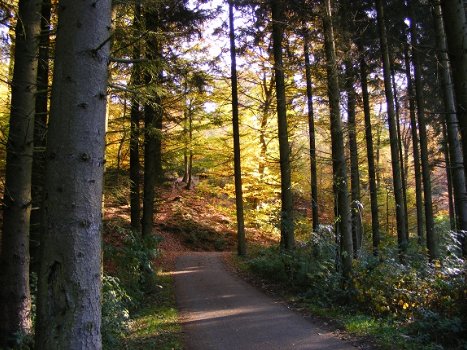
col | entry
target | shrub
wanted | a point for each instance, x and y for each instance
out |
(115, 314)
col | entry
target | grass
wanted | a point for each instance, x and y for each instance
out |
(155, 325)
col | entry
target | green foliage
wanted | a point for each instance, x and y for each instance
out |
(155, 325)
(115, 312)
(310, 269)
(134, 262)
(406, 304)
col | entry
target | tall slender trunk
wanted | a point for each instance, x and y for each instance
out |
(287, 220)
(354, 171)
(186, 145)
(401, 150)
(353, 150)
(370, 156)
(396, 169)
(135, 116)
(311, 132)
(453, 12)
(447, 161)
(457, 160)
(69, 303)
(40, 127)
(341, 195)
(432, 239)
(152, 112)
(189, 181)
(415, 149)
(241, 243)
(15, 298)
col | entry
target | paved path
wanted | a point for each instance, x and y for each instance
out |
(220, 311)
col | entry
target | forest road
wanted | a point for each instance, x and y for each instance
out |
(221, 311)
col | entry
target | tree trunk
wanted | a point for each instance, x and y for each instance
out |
(15, 298)
(287, 220)
(241, 243)
(453, 12)
(311, 132)
(189, 181)
(40, 127)
(135, 116)
(457, 166)
(401, 151)
(432, 239)
(415, 149)
(354, 171)
(69, 303)
(370, 155)
(152, 112)
(341, 195)
(447, 161)
(396, 169)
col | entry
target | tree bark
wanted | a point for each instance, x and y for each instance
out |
(453, 12)
(415, 149)
(399, 138)
(457, 161)
(432, 238)
(354, 171)
(40, 128)
(287, 220)
(396, 170)
(15, 298)
(341, 195)
(69, 303)
(241, 243)
(370, 155)
(152, 112)
(135, 116)
(311, 132)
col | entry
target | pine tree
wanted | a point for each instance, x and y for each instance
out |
(15, 298)
(69, 295)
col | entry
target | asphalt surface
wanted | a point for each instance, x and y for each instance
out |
(221, 311)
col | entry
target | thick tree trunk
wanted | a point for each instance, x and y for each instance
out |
(415, 149)
(432, 239)
(311, 132)
(241, 243)
(396, 169)
(453, 12)
(354, 171)
(69, 303)
(370, 155)
(40, 127)
(135, 116)
(341, 195)
(287, 220)
(457, 161)
(15, 298)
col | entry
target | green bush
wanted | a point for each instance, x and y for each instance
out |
(115, 312)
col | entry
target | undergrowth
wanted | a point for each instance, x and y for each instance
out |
(416, 305)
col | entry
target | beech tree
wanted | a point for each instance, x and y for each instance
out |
(69, 302)
(15, 298)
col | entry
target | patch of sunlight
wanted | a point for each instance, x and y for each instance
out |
(156, 324)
